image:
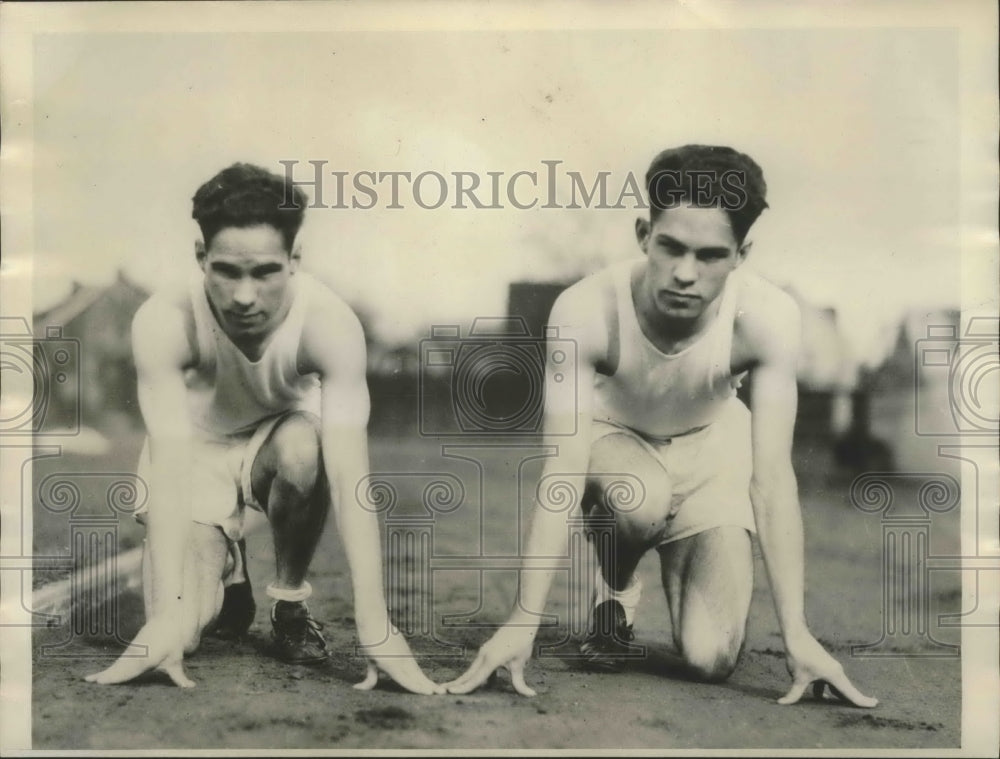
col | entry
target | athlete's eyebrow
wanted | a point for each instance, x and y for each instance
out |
(665, 239)
(266, 269)
(224, 268)
(719, 251)
(712, 250)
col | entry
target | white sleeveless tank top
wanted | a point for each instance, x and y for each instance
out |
(227, 392)
(660, 395)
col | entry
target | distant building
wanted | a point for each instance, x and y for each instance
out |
(532, 301)
(100, 319)
(901, 368)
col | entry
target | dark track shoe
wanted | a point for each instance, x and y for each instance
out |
(606, 646)
(296, 635)
(238, 606)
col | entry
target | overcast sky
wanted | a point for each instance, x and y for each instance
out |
(857, 132)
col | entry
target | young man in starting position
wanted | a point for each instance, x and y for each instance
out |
(662, 344)
(252, 387)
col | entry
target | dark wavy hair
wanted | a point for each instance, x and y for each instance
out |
(724, 178)
(245, 195)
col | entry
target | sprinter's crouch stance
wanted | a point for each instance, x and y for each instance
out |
(662, 344)
(252, 387)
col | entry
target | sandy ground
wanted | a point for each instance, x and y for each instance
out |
(244, 699)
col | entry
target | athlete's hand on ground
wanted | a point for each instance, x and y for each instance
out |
(810, 664)
(509, 647)
(393, 656)
(158, 645)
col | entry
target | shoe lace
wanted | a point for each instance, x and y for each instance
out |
(302, 627)
(313, 626)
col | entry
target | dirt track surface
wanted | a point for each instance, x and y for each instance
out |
(246, 700)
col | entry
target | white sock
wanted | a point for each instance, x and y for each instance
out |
(290, 594)
(628, 598)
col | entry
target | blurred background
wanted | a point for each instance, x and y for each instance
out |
(857, 132)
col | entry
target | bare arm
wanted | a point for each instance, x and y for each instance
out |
(568, 405)
(568, 400)
(774, 494)
(773, 488)
(339, 356)
(161, 351)
(335, 347)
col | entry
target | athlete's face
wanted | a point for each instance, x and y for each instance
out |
(691, 252)
(247, 272)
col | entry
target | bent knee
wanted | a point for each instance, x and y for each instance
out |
(296, 450)
(192, 644)
(207, 616)
(212, 607)
(192, 636)
(625, 478)
(711, 664)
(712, 660)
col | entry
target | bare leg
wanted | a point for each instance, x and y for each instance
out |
(289, 471)
(147, 581)
(206, 561)
(627, 507)
(203, 567)
(238, 607)
(708, 580)
(201, 598)
(288, 477)
(626, 484)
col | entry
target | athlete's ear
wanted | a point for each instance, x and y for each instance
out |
(199, 252)
(294, 258)
(743, 251)
(642, 232)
